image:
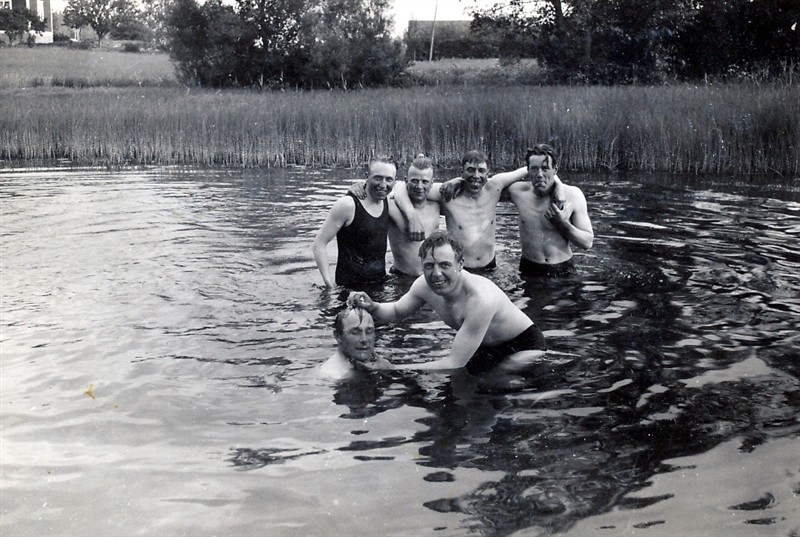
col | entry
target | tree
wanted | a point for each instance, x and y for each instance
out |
(15, 22)
(593, 40)
(154, 17)
(101, 15)
(284, 43)
(629, 41)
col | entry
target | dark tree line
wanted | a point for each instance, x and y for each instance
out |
(630, 41)
(284, 43)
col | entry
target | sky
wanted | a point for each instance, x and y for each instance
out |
(449, 10)
(404, 10)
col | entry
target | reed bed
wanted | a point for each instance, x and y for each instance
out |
(703, 129)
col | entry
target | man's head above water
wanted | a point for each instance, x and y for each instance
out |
(354, 331)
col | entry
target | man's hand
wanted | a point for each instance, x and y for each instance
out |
(416, 231)
(558, 215)
(358, 189)
(360, 299)
(451, 189)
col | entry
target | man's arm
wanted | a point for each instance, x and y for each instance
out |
(506, 179)
(342, 211)
(468, 338)
(454, 187)
(416, 231)
(387, 312)
(577, 227)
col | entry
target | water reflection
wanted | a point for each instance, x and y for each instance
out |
(190, 301)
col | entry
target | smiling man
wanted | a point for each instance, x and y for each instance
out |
(489, 326)
(470, 216)
(404, 250)
(360, 228)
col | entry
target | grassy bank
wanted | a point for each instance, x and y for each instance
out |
(45, 66)
(105, 106)
(695, 129)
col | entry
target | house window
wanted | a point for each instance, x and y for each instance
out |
(5, 5)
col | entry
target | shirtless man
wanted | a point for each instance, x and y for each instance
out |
(489, 326)
(360, 227)
(354, 331)
(545, 229)
(404, 250)
(470, 217)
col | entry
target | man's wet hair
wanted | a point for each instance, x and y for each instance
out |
(338, 322)
(541, 150)
(385, 159)
(421, 162)
(474, 155)
(440, 238)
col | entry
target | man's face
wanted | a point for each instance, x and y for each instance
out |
(381, 179)
(418, 183)
(357, 340)
(442, 271)
(475, 175)
(541, 173)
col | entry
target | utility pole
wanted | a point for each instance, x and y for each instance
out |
(433, 30)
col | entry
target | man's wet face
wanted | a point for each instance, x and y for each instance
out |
(541, 173)
(418, 184)
(475, 175)
(357, 340)
(441, 269)
(381, 179)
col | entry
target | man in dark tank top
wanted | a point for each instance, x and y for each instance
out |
(360, 228)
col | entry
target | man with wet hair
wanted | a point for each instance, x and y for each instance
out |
(489, 326)
(404, 250)
(354, 330)
(360, 227)
(546, 228)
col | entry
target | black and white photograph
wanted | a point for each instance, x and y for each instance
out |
(399, 268)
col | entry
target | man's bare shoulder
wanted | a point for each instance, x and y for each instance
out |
(520, 187)
(572, 193)
(481, 288)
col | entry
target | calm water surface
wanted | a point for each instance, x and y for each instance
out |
(161, 331)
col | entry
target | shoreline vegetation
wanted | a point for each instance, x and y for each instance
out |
(126, 110)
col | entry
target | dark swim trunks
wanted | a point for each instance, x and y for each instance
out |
(399, 273)
(530, 339)
(559, 270)
(491, 265)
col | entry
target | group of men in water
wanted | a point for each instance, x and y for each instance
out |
(448, 266)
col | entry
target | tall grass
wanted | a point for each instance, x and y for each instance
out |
(23, 67)
(739, 129)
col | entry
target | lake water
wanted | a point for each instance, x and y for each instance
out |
(161, 331)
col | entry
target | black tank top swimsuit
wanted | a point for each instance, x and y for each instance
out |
(362, 247)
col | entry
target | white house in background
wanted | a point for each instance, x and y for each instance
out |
(42, 9)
